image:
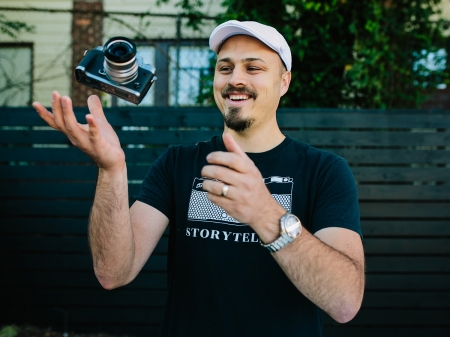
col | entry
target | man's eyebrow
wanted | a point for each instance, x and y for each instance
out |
(225, 59)
(248, 59)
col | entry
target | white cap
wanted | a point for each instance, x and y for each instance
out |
(266, 34)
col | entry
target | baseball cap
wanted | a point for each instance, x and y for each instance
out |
(266, 34)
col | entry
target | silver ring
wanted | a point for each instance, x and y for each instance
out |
(224, 190)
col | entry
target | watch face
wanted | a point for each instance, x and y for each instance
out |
(292, 226)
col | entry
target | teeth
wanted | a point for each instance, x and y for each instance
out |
(238, 97)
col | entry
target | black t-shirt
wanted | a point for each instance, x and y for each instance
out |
(221, 282)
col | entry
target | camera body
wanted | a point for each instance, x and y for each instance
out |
(116, 70)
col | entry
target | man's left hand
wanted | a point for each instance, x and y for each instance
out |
(247, 198)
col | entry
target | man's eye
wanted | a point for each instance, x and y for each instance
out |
(253, 68)
(225, 68)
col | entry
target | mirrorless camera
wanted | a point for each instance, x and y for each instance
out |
(116, 70)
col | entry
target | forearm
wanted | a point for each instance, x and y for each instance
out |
(110, 232)
(329, 278)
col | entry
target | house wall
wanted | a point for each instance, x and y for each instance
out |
(52, 43)
(52, 53)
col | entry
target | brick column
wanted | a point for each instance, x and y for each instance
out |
(87, 33)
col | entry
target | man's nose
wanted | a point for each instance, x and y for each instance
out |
(238, 77)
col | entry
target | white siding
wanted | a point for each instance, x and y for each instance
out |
(52, 52)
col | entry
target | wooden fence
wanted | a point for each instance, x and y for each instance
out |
(400, 160)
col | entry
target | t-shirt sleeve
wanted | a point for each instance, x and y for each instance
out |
(336, 199)
(156, 189)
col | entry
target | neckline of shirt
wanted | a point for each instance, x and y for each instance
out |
(259, 156)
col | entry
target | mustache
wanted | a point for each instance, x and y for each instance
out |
(241, 90)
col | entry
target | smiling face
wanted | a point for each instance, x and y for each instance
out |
(249, 80)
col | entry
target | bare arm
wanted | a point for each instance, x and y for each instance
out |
(328, 267)
(121, 239)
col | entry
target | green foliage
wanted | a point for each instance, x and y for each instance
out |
(351, 53)
(392, 40)
(9, 331)
(190, 9)
(13, 28)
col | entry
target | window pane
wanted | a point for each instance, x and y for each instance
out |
(185, 84)
(148, 57)
(15, 76)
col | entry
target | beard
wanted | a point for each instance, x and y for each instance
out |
(234, 122)
(232, 119)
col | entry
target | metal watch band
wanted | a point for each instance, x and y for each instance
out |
(279, 243)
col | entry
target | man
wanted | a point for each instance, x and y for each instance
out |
(227, 200)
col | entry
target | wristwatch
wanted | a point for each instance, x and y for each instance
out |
(291, 228)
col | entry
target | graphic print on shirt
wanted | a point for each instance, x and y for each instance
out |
(202, 209)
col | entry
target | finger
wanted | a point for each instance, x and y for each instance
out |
(57, 110)
(224, 174)
(94, 131)
(232, 146)
(95, 107)
(46, 115)
(70, 121)
(218, 188)
(231, 160)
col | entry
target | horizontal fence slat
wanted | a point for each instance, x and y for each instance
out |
(395, 317)
(78, 279)
(408, 264)
(87, 190)
(401, 174)
(50, 208)
(405, 228)
(72, 154)
(374, 246)
(72, 262)
(407, 246)
(63, 172)
(84, 172)
(406, 299)
(349, 330)
(54, 190)
(392, 156)
(66, 262)
(89, 172)
(99, 315)
(56, 244)
(403, 192)
(149, 155)
(307, 118)
(392, 210)
(68, 226)
(408, 282)
(192, 136)
(112, 299)
(404, 210)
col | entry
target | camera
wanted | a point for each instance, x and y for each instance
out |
(116, 70)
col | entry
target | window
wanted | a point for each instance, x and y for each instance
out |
(148, 57)
(15, 74)
(430, 67)
(186, 81)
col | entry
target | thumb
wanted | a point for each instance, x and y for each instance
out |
(231, 144)
(95, 107)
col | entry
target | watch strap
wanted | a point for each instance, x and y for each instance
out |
(279, 243)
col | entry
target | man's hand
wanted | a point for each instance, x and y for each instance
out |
(97, 138)
(247, 200)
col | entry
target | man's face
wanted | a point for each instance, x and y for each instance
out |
(249, 80)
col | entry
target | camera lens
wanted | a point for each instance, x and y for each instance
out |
(120, 60)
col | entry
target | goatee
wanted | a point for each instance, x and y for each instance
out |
(234, 122)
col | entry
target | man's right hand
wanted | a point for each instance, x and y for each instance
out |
(97, 138)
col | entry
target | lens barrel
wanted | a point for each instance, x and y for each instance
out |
(120, 60)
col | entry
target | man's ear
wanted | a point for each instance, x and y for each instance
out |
(285, 81)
